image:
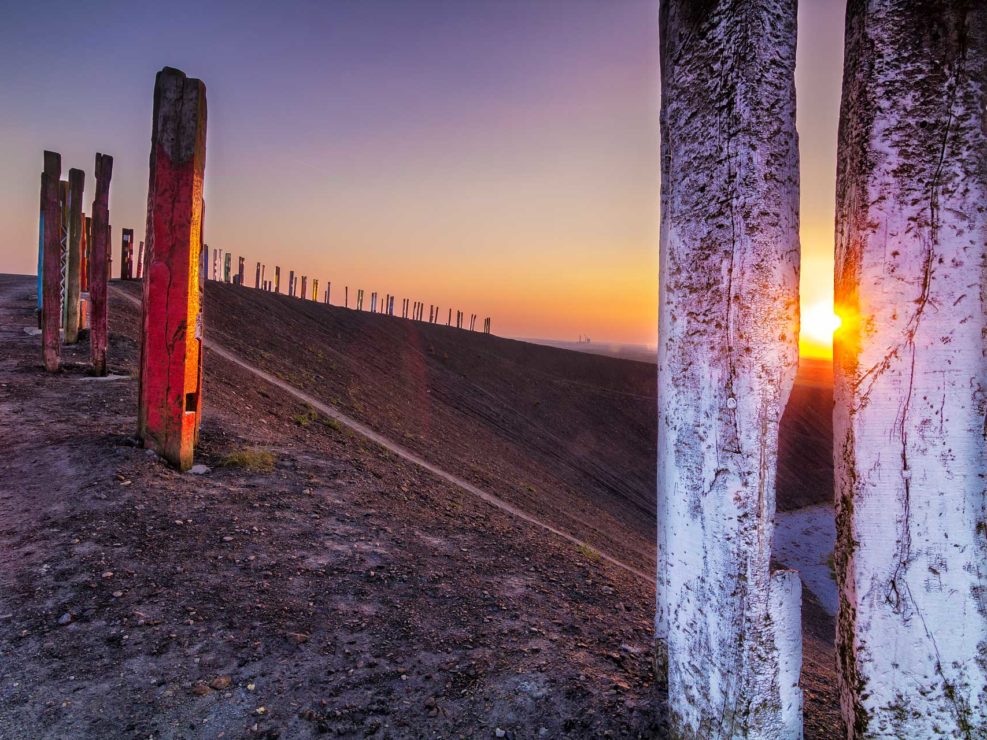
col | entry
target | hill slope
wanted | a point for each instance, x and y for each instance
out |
(344, 588)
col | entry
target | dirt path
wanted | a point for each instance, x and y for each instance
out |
(399, 450)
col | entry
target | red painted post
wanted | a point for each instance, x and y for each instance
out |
(84, 257)
(100, 265)
(170, 400)
(51, 297)
(127, 255)
(73, 282)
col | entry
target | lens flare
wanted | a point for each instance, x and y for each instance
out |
(819, 322)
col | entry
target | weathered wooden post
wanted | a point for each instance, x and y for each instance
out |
(83, 258)
(140, 262)
(41, 252)
(73, 284)
(449, 320)
(328, 292)
(241, 267)
(728, 627)
(127, 254)
(227, 267)
(304, 290)
(346, 296)
(63, 196)
(171, 351)
(51, 290)
(215, 264)
(315, 289)
(100, 265)
(911, 371)
(277, 279)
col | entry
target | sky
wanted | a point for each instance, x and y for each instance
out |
(494, 156)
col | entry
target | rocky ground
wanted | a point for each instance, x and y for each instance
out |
(311, 582)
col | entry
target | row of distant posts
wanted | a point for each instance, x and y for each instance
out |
(298, 287)
(74, 268)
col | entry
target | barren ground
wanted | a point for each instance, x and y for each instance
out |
(345, 590)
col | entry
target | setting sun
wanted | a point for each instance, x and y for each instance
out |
(818, 324)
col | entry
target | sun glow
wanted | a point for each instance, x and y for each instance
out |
(818, 324)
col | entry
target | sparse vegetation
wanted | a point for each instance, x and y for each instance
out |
(252, 459)
(588, 552)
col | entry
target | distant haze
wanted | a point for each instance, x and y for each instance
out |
(497, 157)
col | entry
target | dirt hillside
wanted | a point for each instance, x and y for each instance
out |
(332, 585)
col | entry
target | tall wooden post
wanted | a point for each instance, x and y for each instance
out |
(449, 320)
(73, 281)
(241, 266)
(910, 366)
(100, 266)
(227, 267)
(257, 277)
(304, 290)
(84, 257)
(315, 289)
(171, 351)
(328, 292)
(127, 255)
(51, 305)
(277, 279)
(346, 296)
(291, 283)
(63, 196)
(41, 251)
(728, 623)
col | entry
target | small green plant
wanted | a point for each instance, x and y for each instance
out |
(588, 552)
(332, 423)
(306, 417)
(252, 459)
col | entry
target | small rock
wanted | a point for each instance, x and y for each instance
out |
(221, 683)
(117, 594)
(200, 688)
(500, 733)
(108, 574)
(227, 538)
(199, 469)
(66, 618)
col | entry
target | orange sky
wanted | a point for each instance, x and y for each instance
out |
(500, 158)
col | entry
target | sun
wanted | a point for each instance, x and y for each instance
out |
(818, 324)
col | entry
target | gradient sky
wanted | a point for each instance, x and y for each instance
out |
(496, 156)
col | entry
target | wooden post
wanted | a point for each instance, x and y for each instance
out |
(315, 289)
(449, 320)
(51, 306)
(171, 351)
(328, 292)
(63, 258)
(241, 269)
(127, 255)
(77, 181)
(83, 259)
(41, 251)
(291, 283)
(728, 622)
(277, 279)
(140, 262)
(304, 290)
(910, 367)
(346, 296)
(227, 267)
(100, 264)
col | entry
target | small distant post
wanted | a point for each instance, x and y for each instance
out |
(227, 266)
(140, 261)
(257, 277)
(304, 292)
(315, 289)
(171, 350)
(51, 305)
(127, 255)
(99, 270)
(291, 283)
(277, 279)
(328, 292)
(215, 264)
(449, 320)
(241, 265)
(346, 296)
(73, 286)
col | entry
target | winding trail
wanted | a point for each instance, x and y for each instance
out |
(399, 450)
